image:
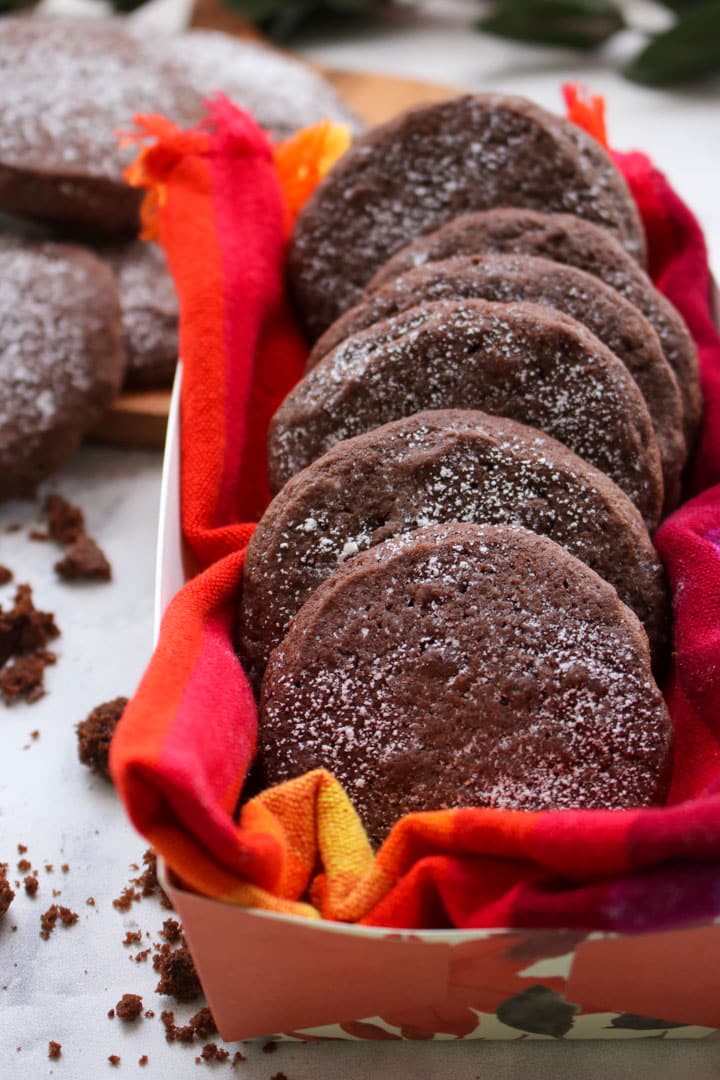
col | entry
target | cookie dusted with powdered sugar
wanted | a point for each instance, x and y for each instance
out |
(614, 320)
(571, 240)
(61, 357)
(149, 312)
(436, 467)
(431, 163)
(524, 361)
(69, 86)
(467, 665)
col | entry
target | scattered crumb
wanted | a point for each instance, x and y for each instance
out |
(129, 1008)
(143, 1060)
(124, 901)
(5, 575)
(34, 735)
(24, 628)
(48, 919)
(142, 956)
(171, 931)
(212, 1052)
(90, 901)
(95, 733)
(200, 1026)
(6, 893)
(31, 884)
(111, 1014)
(238, 1059)
(65, 868)
(38, 534)
(54, 1050)
(57, 892)
(65, 521)
(178, 977)
(132, 937)
(24, 865)
(25, 677)
(49, 868)
(149, 1014)
(84, 561)
(22, 848)
(114, 1059)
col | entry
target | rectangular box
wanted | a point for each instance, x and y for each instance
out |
(269, 974)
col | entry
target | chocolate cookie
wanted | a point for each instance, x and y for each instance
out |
(566, 239)
(68, 86)
(524, 361)
(61, 358)
(149, 312)
(614, 320)
(435, 467)
(428, 165)
(283, 94)
(467, 665)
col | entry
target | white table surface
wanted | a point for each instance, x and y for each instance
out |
(62, 988)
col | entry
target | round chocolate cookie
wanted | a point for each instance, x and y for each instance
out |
(435, 467)
(528, 362)
(614, 320)
(571, 240)
(61, 358)
(68, 86)
(283, 94)
(149, 312)
(467, 665)
(428, 165)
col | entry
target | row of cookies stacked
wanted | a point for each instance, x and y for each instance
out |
(80, 319)
(443, 603)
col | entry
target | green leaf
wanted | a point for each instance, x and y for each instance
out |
(581, 24)
(279, 18)
(689, 50)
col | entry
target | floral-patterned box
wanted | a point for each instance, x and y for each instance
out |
(314, 980)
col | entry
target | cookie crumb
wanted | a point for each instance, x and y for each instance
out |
(24, 866)
(178, 977)
(49, 919)
(84, 561)
(95, 732)
(129, 1008)
(132, 937)
(54, 1050)
(212, 1052)
(65, 868)
(149, 1014)
(171, 931)
(5, 575)
(6, 893)
(111, 1014)
(90, 901)
(66, 522)
(38, 534)
(142, 956)
(31, 884)
(143, 1060)
(34, 735)
(25, 677)
(114, 1059)
(238, 1059)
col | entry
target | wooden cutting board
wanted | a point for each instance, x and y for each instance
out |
(139, 419)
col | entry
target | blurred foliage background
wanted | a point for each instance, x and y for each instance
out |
(687, 50)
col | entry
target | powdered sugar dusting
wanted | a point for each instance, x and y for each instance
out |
(430, 468)
(59, 353)
(506, 359)
(497, 671)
